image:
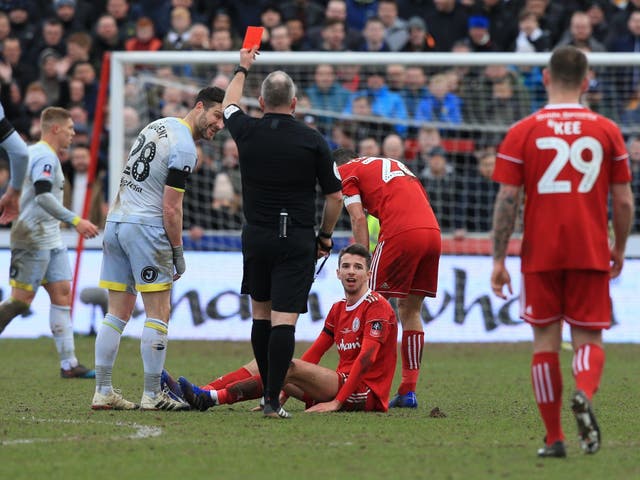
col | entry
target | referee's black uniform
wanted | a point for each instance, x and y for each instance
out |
(281, 159)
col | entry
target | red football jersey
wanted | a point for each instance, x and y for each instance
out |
(371, 317)
(565, 156)
(389, 191)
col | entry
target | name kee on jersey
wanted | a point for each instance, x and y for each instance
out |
(345, 346)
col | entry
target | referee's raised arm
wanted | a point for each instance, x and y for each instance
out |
(234, 90)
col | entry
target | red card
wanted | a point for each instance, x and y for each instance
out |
(253, 37)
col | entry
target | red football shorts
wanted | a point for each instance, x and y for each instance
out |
(581, 297)
(407, 263)
(362, 400)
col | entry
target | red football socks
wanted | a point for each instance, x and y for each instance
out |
(546, 379)
(247, 389)
(588, 362)
(411, 352)
(227, 379)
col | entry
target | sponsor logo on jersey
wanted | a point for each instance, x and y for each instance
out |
(345, 346)
(129, 183)
(149, 274)
(384, 286)
(376, 329)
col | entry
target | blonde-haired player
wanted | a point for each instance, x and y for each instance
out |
(38, 256)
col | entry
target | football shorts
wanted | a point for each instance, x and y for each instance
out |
(136, 258)
(581, 297)
(278, 269)
(407, 263)
(32, 268)
(362, 399)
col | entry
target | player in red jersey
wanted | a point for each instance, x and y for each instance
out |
(566, 159)
(405, 260)
(363, 328)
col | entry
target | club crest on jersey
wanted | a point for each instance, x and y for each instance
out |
(376, 329)
(149, 274)
(46, 170)
(355, 326)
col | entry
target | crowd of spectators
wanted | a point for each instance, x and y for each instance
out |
(52, 51)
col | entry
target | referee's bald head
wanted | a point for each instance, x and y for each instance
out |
(278, 90)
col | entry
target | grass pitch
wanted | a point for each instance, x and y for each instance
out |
(491, 429)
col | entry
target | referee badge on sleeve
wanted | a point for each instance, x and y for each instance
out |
(230, 110)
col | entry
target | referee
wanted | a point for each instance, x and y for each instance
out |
(281, 161)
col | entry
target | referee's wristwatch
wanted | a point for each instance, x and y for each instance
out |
(322, 234)
(240, 69)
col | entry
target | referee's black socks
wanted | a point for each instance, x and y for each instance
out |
(282, 343)
(260, 332)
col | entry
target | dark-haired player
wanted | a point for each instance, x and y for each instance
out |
(566, 159)
(143, 246)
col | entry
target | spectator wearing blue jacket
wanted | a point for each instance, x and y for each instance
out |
(384, 102)
(327, 94)
(440, 105)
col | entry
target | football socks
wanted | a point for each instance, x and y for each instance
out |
(281, 346)
(411, 352)
(227, 379)
(62, 330)
(106, 350)
(546, 379)
(153, 348)
(587, 365)
(260, 333)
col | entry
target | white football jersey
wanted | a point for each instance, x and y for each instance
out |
(163, 144)
(35, 229)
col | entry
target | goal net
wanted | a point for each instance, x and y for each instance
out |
(441, 114)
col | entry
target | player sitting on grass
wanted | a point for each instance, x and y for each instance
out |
(364, 329)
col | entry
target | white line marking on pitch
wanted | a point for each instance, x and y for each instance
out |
(141, 431)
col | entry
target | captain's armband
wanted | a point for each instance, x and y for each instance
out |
(177, 179)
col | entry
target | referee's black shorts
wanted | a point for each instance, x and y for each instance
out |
(278, 269)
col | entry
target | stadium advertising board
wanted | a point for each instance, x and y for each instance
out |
(207, 304)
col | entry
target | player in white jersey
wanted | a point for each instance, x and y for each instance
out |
(143, 245)
(38, 255)
(16, 149)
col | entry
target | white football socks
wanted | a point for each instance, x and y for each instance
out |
(153, 348)
(107, 344)
(62, 330)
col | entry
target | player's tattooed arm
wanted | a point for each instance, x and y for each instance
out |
(504, 219)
